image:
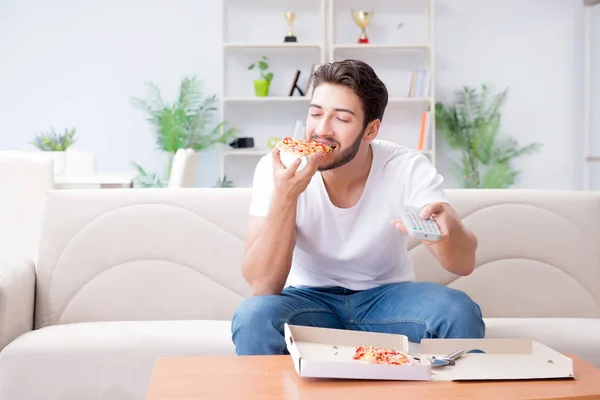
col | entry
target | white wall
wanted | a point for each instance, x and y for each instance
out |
(78, 63)
(594, 86)
(534, 47)
(75, 63)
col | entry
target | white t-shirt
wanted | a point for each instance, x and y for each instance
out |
(356, 248)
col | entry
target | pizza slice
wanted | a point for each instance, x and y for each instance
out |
(377, 355)
(301, 148)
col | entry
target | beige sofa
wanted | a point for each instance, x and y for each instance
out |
(126, 276)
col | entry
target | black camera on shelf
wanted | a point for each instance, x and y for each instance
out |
(242, 143)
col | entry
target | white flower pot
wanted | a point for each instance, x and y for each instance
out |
(59, 158)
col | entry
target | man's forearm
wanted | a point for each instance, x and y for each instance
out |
(267, 262)
(457, 254)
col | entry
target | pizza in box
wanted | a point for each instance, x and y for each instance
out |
(377, 355)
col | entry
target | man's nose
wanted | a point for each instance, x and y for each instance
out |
(324, 127)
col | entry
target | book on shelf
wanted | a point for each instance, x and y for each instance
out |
(419, 83)
(424, 143)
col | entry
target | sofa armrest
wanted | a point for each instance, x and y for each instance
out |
(17, 298)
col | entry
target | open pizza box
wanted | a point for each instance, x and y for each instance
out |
(329, 353)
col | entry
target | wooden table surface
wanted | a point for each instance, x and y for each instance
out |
(274, 378)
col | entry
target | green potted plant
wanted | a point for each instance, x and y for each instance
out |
(224, 183)
(188, 122)
(56, 144)
(262, 85)
(471, 125)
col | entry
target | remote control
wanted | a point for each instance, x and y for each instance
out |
(425, 229)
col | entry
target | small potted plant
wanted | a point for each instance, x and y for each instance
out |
(56, 145)
(261, 86)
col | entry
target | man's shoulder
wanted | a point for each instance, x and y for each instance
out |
(264, 166)
(265, 162)
(263, 174)
(395, 157)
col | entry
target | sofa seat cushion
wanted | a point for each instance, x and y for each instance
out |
(114, 360)
(102, 360)
(577, 336)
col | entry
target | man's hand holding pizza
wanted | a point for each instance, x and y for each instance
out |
(288, 181)
(455, 251)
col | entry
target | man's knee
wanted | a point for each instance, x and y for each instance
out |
(462, 316)
(255, 311)
(255, 326)
(465, 315)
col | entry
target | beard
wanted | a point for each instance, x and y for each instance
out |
(345, 156)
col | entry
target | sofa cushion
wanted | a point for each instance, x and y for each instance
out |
(577, 336)
(522, 270)
(138, 255)
(114, 360)
(176, 254)
(102, 360)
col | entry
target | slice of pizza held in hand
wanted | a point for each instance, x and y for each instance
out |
(291, 149)
(302, 148)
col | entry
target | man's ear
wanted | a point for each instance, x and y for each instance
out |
(372, 129)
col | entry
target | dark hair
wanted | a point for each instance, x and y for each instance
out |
(362, 79)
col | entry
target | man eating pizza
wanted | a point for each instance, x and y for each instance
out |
(324, 247)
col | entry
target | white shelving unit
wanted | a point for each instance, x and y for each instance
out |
(252, 29)
(272, 45)
(377, 46)
(394, 54)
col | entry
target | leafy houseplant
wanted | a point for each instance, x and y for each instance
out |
(56, 144)
(224, 183)
(54, 141)
(472, 125)
(262, 85)
(148, 180)
(186, 123)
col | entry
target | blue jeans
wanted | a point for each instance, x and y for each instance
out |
(415, 309)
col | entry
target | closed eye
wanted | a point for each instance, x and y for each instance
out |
(343, 120)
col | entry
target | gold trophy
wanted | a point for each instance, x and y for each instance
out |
(362, 19)
(290, 17)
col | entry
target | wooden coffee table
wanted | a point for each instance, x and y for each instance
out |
(274, 377)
